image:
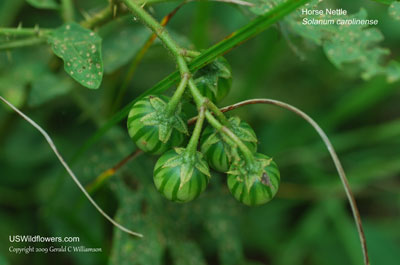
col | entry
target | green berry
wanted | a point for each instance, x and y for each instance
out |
(181, 176)
(152, 129)
(217, 152)
(256, 184)
(214, 80)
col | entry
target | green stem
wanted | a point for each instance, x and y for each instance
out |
(21, 43)
(248, 155)
(67, 10)
(178, 94)
(199, 99)
(185, 75)
(194, 140)
(170, 44)
(98, 19)
(155, 27)
(221, 116)
(24, 32)
(237, 38)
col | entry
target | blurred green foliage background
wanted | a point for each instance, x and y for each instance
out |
(308, 223)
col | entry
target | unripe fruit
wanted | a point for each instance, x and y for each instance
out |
(151, 128)
(214, 80)
(256, 185)
(179, 176)
(217, 152)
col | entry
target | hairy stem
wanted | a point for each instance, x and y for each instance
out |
(185, 75)
(194, 139)
(98, 19)
(68, 169)
(147, 19)
(236, 38)
(138, 58)
(24, 32)
(170, 44)
(332, 152)
(176, 98)
(248, 155)
(21, 43)
(199, 99)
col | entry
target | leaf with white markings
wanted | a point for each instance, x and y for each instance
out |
(80, 49)
(394, 10)
(343, 44)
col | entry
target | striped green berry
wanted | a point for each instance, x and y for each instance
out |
(256, 184)
(215, 149)
(214, 80)
(151, 127)
(181, 176)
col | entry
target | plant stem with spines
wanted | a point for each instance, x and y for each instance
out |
(24, 32)
(178, 93)
(194, 139)
(21, 43)
(248, 155)
(170, 44)
(236, 38)
(199, 99)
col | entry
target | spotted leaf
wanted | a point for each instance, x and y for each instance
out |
(394, 10)
(80, 49)
(346, 45)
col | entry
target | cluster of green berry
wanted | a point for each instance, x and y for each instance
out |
(158, 126)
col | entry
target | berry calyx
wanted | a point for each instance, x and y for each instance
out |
(214, 80)
(254, 184)
(153, 129)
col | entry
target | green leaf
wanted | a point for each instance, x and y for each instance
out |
(355, 45)
(220, 223)
(386, 2)
(44, 4)
(18, 71)
(394, 10)
(47, 87)
(186, 252)
(80, 50)
(393, 71)
(127, 250)
(261, 7)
